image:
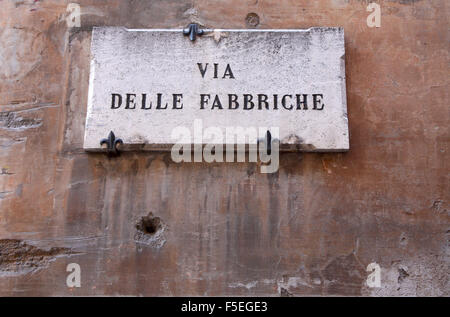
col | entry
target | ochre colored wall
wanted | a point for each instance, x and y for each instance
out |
(226, 229)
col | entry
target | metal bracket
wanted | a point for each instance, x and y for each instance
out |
(267, 142)
(193, 30)
(111, 143)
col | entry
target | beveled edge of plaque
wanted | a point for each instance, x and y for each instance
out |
(325, 28)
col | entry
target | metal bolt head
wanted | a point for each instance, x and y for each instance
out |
(252, 20)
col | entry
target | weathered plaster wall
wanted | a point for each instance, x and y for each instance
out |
(226, 229)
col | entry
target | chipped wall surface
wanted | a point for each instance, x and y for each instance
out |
(140, 224)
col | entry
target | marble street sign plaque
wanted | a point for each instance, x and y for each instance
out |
(145, 83)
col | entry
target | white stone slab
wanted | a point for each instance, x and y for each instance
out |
(265, 62)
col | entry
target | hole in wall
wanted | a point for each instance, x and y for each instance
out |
(150, 231)
(149, 224)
